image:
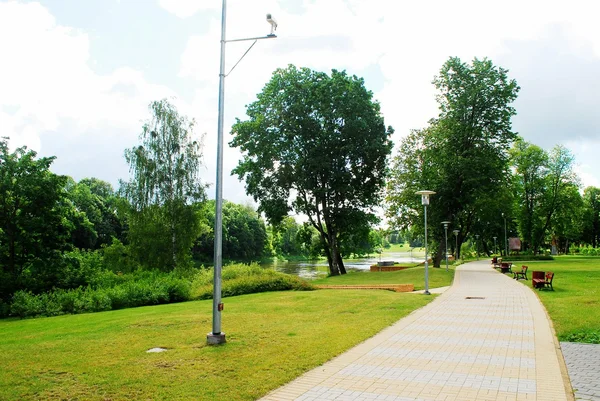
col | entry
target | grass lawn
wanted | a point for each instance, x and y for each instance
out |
(438, 277)
(574, 305)
(405, 247)
(272, 338)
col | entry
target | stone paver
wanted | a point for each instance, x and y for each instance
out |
(583, 363)
(486, 338)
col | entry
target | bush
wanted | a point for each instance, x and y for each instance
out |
(591, 337)
(108, 290)
(240, 280)
(150, 290)
(516, 258)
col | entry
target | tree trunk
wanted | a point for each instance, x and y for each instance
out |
(340, 262)
(439, 255)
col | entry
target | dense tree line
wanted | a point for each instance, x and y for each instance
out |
(488, 180)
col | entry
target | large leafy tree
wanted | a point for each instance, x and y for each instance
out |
(315, 144)
(549, 207)
(530, 163)
(34, 228)
(591, 233)
(165, 184)
(461, 154)
(244, 233)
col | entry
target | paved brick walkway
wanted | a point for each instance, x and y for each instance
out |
(583, 363)
(486, 338)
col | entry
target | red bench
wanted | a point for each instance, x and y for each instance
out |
(545, 282)
(522, 274)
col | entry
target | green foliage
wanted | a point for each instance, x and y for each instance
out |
(547, 189)
(149, 289)
(242, 279)
(96, 200)
(590, 337)
(244, 233)
(165, 183)
(514, 258)
(117, 257)
(315, 144)
(462, 155)
(34, 229)
(591, 216)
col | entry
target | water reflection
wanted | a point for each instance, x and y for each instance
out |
(312, 269)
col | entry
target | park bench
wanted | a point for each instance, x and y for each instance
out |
(506, 267)
(522, 274)
(545, 282)
(496, 262)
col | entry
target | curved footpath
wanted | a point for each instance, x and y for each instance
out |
(487, 338)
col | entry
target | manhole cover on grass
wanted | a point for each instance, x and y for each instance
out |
(158, 349)
(475, 298)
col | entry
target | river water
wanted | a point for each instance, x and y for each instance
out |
(314, 268)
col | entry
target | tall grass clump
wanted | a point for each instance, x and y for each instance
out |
(239, 279)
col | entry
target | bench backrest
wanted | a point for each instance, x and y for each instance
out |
(549, 277)
(524, 269)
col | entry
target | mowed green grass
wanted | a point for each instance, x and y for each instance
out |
(574, 305)
(438, 277)
(271, 339)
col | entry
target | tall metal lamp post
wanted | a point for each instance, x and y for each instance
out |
(217, 336)
(505, 237)
(455, 232)
(425, 202)
(477, 245)
(495, 246)
(446, 223)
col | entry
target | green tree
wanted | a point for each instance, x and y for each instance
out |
(530, 164)
(462, 154)
(285, 235)
(244, 233)
(97, 199)
(165, 184)
(591, 234)
(34, 229)
(315, 144)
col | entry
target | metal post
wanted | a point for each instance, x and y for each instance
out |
(495, 246)
(426, 261)
(455, 245)
(477, 245)
(446, 236)
(505, 238)
(217, 337)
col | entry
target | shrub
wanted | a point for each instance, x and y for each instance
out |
(515, 258)
(80, 268)
(26, 304)
(591, 337)
(238, 283)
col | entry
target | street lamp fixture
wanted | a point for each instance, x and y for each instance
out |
(455, 232)
(425, 202)
(446, 223)
(217, 336)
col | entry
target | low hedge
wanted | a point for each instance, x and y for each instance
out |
(111, 291)
(516, 258)
(159, 290)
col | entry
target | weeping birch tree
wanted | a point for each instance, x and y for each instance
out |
(164, 189)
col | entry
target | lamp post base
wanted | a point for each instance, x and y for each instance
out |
(426, 292)
(215, 339)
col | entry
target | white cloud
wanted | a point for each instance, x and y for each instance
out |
(187, 8)
(60, 99)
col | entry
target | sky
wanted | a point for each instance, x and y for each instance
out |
(76, 77)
